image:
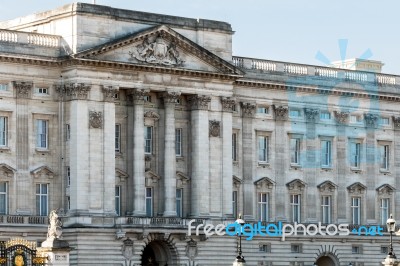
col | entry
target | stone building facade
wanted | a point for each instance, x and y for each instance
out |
(133, 124)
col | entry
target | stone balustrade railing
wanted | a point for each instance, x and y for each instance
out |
(46, 40)
(19, 219)
(313, 71)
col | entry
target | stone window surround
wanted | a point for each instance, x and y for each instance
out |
(302, 146)
(357, 190)
(268, 135)
(391, 156)
(333, 152)
(361, 141)
(50, 130)
(328, 188)
(265, 185)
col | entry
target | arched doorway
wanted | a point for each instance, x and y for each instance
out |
(159, 253)
(326, 261)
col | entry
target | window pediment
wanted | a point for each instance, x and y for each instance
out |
(152, 115)
(151, 178)
(121, 174)
(43, 171)
(356, 188)
(264, 182)
(327, 186)
(181, 179)
(236, 181)
(296, 184)
(6, 170)
(385, 189)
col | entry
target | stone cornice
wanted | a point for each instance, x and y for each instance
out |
(227, 104)
(316, 90)
(199, 102)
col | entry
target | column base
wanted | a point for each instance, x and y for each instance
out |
(169, 214)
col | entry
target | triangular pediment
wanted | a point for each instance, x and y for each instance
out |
(43, 171)
(356, 187)
(296, 184)
(385, 189)
(236, 181)
(121, 174)
(160, 46)
(6, 170)
(264, 182)
(181, 179)
(151, 178)
(327, 186)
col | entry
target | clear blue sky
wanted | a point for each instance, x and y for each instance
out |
(285, 30)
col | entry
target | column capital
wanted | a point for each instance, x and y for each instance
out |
(137, 95)
(396, 122)
(311, 114)
(170, 97)
(23, 88)
(199, 102)
(371, 120)
(248, 109)
(109, 93)
(281, 112)
(342, 117)
(228, 103)
(73, 91)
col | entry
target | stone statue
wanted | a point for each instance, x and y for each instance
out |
(54, 230)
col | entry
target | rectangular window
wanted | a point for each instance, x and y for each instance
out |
(147, 99)
(356, 210)
(67, 132)
(42, 195)
(295, 150)
(3, 86)
(295, 203)
(234, 147)
(355, 119)
(262, 110)
(326, 153)
(384, 249)
(148, 140)
(263, 214)
(42, 133)
(149, 202)
(178, 142)
(3, 131)
(263, 149)
(384, 121)
(326, 209)
(294, 113)
(356, 249)
(355, 154)
(69, 203)
(325, 116)
(264, 248)
(384, 157)
(385, 210)
(235, 203)
(68, 175)
(117, 138)
(118, 200)
(179, 202)
(295, 248)
(42, 90)
(3, 198)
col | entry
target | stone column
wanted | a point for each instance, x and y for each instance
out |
(77, 94)
(311, 162)
(170, 100)
(371, 122)
(281, 116)
(341, 149)
(109, 150)
(138, 152)
(22, 187)
(200, 197)
(248, 111)
(227, 172)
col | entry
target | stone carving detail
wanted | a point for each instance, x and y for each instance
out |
(199, 102)
(171, 97)
(109, 93)
(137, 95)
(227, 104)
(385, 189)
(191, 249)
(296, 184)
(23, 89)
(281, 112)
(157, 51)
(356, 188)
(214, 128)
(95, 119)
(152, 115)
(341, 117)
(371, 120)
(248, 109)
(327, 186)
(127, 249)
(396, 122)
(54, 229)
(311, 114)
(74, 91)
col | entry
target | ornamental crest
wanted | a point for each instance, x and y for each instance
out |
(214, 128)
(158, 51)
(127, 249)
(95, 119)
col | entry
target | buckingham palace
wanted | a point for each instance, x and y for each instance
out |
(136, 126)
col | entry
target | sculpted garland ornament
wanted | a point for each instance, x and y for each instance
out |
(157, 52)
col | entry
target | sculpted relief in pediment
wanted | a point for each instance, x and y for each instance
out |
(157, 51)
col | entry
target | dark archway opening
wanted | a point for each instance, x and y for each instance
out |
(159, 253)
(325, 261)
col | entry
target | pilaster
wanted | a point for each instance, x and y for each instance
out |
(396, 146)
(371, 122)
(200, 196)
(248, 111)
